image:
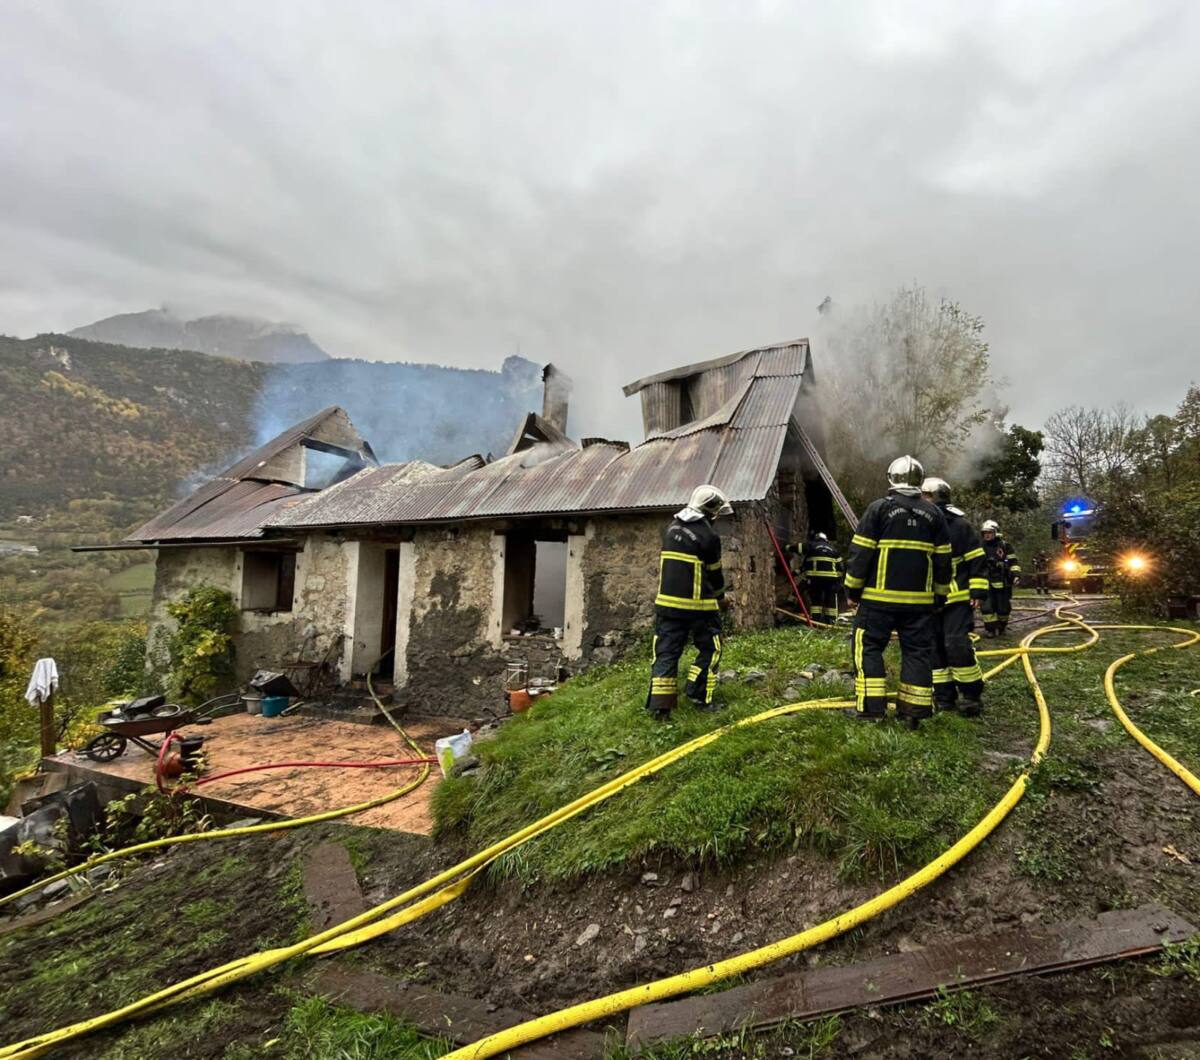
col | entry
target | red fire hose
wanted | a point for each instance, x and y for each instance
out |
(788, 571)
(172, 737)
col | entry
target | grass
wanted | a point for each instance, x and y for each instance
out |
(803, 1041)
(966, 1011)
(876, 799)
(316, 1028)
(134, 587)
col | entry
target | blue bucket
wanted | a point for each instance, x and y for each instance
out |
(273, 706)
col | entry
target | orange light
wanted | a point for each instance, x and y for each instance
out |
(1070, 566)
(1135, 564)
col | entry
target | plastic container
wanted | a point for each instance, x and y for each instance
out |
(253, 703)
(273, 706)
(450, 749)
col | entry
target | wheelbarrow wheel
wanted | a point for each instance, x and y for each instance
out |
(105, 747)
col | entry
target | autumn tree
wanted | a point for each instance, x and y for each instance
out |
(909, 375)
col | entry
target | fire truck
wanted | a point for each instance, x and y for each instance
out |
(1076, 566)
(1073, 567)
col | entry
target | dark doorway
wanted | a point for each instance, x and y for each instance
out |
(391, 590)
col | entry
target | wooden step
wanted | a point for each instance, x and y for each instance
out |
(921, 974)
(461, 1019)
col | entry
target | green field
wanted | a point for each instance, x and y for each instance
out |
(133, 587)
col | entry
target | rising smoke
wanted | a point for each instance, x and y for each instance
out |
(906, 375)
(406, 411)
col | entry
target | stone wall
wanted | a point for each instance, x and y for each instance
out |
(452, 663)
(261, 639)
(619, 576)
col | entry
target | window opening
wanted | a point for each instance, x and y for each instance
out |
(268, 580)
(535, 582)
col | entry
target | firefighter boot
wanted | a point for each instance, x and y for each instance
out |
(970, 708)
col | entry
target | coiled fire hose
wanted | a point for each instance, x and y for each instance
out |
(448, 885)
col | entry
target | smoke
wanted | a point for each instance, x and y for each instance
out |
(908, 375)
(406, 411)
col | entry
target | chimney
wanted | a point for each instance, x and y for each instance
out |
(556, 396)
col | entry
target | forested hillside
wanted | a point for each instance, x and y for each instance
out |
(95, 438)
(86, 420)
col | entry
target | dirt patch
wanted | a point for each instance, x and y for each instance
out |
(241, 740)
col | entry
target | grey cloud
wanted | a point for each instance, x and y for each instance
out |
(616, 186)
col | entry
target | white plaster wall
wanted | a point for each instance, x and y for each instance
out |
(365, 616)
(404, 606)
(495, 626)
(574, 618)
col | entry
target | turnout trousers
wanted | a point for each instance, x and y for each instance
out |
(823, 600)
(956, 670)
(673, 628)
(873, 627)
(997, 607)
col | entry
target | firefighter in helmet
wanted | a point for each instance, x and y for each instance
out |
(898, 571)
(1003, 571)
(1041, 573)
(956, 671)
(822, 569)
(691, 586)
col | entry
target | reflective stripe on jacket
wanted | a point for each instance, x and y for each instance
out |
(968, 562)
(900, 554)
(1002, 563)
(822, 560)
(689, 567)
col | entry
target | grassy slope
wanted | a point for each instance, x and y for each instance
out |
(111, 950)
(874, 799)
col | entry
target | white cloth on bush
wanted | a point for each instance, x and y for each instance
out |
(43, 683)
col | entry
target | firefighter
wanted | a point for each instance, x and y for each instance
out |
(822, 570)
(691, 587)
(957, 673)
(1003, 572)
(1041, 573)
(899, 568)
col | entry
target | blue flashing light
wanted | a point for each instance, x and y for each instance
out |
(1076, 508)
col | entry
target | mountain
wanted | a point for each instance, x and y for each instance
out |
(95, 438)
(242, 338)
(83, 420)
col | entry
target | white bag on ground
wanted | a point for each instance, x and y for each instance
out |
(451, 749)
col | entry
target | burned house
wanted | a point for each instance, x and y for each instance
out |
(437, 575)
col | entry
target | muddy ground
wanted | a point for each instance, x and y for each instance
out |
(1093, 840)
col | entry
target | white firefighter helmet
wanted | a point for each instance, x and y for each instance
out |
(937, 488)
(820, 537)
(710, 501)
(990, 526)
(905, 471)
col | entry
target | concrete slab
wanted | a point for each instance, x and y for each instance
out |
(241, 740)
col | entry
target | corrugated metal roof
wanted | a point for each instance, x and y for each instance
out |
(737, 447)
(737, 450)
(237, 512)
(781, 358)
(237, 502)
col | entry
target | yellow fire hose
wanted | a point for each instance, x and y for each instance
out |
(1181, 771)
(455, 881)
(233, 833)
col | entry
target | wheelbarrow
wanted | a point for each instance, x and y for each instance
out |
(142, 718)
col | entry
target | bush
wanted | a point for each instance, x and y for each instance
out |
(201, 648)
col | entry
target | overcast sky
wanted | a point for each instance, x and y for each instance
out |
(620, 187)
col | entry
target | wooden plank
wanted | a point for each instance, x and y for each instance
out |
(909, 976)
(47, 913)
(461, 1019)
(331, 887)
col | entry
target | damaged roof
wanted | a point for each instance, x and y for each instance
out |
(237, 503)
(737, 447)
